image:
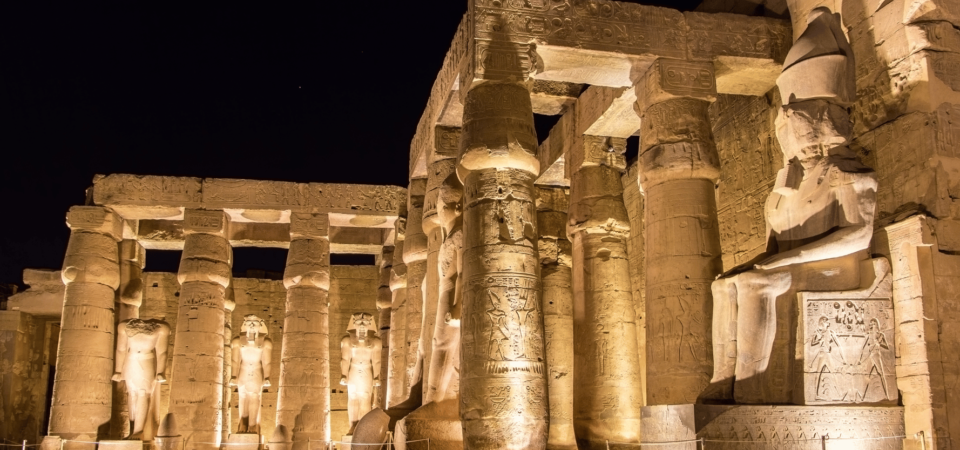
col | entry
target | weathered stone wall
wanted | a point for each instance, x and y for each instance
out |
(353, 289)
(23, 377)
(750, 156)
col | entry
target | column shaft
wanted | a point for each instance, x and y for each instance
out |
(415, 249)
(503, 378)
(679, 171)
(607, 367)
(303, 404)
(196, 388)
(397, 380)
(385, 307)
(82, 391)
(555, 275)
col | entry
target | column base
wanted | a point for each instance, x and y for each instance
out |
(437, 422)
(240, 441)
(345, 442)
(732, 427)
(121, 445)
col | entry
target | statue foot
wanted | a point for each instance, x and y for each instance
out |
(717, 393)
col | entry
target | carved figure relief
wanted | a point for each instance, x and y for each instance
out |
(141, 362)
(252, 353)
(360, 366)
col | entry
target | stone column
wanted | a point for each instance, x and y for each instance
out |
(82, 390)
(438, 172)
(196, 387)
(303, 404)
(633, 200)
(607, 368)
(555, 273)
(415, 257)
(385, 307)
(679, 173)
(503, 386)
(226, 410)
(397, 380)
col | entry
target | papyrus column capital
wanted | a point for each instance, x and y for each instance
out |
(95, 219)
(214, 222)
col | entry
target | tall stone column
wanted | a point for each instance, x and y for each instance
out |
(196, 387)
(415, 257)
(303, 404)
(608, 399)
(503, 386)
(556, 261)
(438, 172)
(226, 410)
(385, 307)
(633, 200)
(82, 390)
(397, 382)
(679, 173)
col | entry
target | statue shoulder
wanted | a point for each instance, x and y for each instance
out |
(345, 340)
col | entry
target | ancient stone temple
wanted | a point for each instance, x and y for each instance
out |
(740, 233)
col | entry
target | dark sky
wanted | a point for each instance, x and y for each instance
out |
(300, 91)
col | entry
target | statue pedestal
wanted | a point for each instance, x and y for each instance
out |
(121, 445)
(245, 441)
(438, 422)
(345, 442)
(730, 427)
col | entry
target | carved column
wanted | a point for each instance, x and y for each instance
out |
(226, 410)
(385, 307)
(679, 173)
(607, 402)
(196, 387)
(415, 257)
(503, 379)
(82, 390)
(438, 172)
(303, 404)
(555, 273)
(397, 381)
(633, 200)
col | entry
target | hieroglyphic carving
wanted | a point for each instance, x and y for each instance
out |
(849, 351)
(594, 25)
(146, 190)
(447, 142)
(714, 35)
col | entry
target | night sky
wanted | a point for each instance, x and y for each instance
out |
(326, 91)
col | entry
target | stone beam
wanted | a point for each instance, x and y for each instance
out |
(168, 235)
(154, 197)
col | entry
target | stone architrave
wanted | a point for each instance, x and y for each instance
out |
(360, 366)
(556, 262)
(438, 172)
(196, 387)
(396, 370)
(82, 390)
(679, 172)
(251, 353)
(819, 221)
(503, 385)
(606, 405)
(141, 364)
(415, 250)
(304, 387)
(385, 308)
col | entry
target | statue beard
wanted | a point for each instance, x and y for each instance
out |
(252, 335)
(361, 333)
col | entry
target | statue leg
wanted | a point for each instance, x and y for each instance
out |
(242, 408)
(138, 413)
(757, 294)
(724, 340)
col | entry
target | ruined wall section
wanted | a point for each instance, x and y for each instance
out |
(23, 380)
(750, 156)
(353, 289)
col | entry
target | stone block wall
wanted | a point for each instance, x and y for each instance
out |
(23, 377)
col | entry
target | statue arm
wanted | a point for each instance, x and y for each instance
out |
(266, 357)
(121, 354)
(235, 358)
(375, 360)
(847, 239)
(163, 337)
(345, 355)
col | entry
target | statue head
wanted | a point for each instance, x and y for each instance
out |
(253, 324)
(450, 201)
(362, 323)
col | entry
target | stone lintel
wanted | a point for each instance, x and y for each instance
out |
(155, 197)
(168, 235)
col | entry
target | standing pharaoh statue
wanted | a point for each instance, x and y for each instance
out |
(360, 366)
(819, 221)
(141, 360)
(445, 363)
(252, 353)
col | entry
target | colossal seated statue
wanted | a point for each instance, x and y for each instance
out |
(141, 360)
(252, 353)
(360, 366)
(819, 221)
